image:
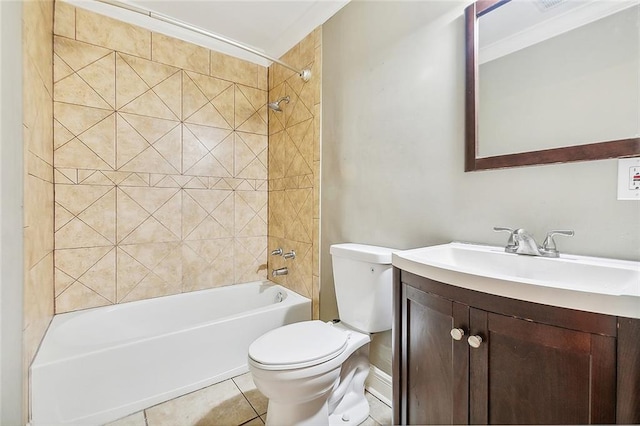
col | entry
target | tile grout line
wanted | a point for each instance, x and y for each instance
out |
(246, 399)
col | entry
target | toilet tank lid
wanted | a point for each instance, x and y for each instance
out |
(363, 252)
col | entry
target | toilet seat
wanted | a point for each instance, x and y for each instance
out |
(298, 345)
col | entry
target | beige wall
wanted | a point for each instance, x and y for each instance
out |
(393, 151)
(157, 151)
(160, 164)
(294, 168)
(37, 65)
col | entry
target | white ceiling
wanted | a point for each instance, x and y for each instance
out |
(269, 26)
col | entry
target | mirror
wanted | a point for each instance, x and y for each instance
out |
(551, 81)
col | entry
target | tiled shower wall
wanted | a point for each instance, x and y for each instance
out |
(294, 168)
(160, 164)
(37, 20)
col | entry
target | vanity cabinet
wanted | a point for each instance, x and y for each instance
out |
(524, 364)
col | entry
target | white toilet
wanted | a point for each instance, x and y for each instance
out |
(313, 372)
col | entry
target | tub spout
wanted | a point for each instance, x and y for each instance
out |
(279, 271)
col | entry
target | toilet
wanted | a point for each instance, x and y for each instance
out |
(313, 372)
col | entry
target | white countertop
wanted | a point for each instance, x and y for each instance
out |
(607, 286)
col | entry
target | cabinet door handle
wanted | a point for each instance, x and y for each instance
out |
(474, 341)
(457, 333)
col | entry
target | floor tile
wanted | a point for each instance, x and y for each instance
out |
(219, 405)
(255, 422)
(136, 419)
(379, 411)
(370, 422)
(223, 404)
(257, 400)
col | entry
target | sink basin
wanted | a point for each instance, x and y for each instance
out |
(592, 284)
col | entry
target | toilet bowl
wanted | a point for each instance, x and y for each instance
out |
(313, 372)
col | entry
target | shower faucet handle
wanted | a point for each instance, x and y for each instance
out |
(277, 252)
(290, 255)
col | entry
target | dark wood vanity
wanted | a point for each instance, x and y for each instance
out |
(529, 363)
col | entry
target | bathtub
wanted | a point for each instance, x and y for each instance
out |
(97, 365)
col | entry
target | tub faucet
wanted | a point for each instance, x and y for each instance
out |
(279, 271)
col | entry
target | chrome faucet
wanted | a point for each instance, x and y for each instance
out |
(525, 243)
(549, 248)
(279, 271)
(511, 244)
(521, 242)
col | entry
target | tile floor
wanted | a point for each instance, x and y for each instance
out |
(233, 402)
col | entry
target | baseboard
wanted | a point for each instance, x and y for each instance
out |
(378, 383)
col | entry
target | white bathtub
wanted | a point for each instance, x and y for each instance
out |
(100, 364)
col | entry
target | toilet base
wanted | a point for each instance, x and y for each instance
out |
(355, 415)
(344, 405)
(312, 413)
(348, 405)
(315, 413)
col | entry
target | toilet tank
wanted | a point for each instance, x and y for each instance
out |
(363, 280)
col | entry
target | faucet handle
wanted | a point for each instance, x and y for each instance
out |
(549, 244)
(277, 252)
(502, 228)
(511, 243)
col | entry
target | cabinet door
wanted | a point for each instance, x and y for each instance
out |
(434, 374)
(529, 373)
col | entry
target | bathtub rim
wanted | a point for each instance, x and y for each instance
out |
(44, 358)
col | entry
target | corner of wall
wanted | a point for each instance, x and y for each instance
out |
(11, 221)
(294, 168)
(37, 129)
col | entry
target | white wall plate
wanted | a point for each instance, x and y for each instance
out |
(629, 178)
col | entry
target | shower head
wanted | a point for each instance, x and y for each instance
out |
(276, 105)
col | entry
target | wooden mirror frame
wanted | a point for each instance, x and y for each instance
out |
(591, 151)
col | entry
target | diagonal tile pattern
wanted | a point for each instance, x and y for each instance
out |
(207, 263)
(148, 270)
(250, 156)
(250, 213)
(87, 216)
(207, 150)
(147, 88)
(160, 172)
(207, 214)
(208, 101)
(148, 215)
(294, 169)
(250, 110)
(148, 144)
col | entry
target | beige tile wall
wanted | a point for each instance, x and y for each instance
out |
(38, 176)
(294, 168)
(160, 164)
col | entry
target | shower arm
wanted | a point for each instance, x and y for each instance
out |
(304, 74)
